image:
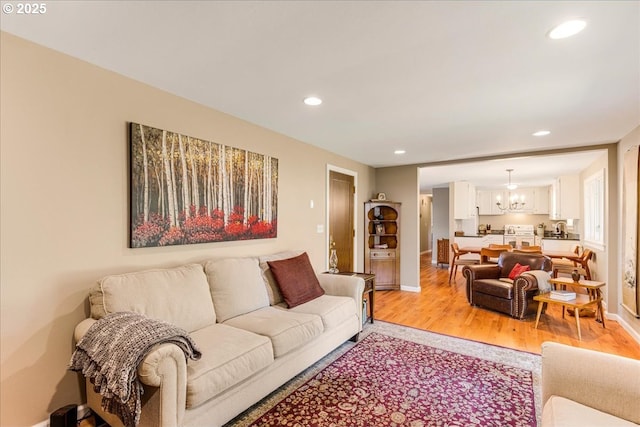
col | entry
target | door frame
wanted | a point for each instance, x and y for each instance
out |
(353, 174)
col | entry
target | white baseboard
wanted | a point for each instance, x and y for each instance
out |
(634, 334)
(83, 411)
(410, 288)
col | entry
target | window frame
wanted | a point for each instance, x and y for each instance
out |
(594, 210)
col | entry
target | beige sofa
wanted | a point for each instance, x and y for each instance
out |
(251, 342)
(587, 388)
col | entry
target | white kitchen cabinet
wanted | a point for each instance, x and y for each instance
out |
(541, 200)
(464, 200)
(487, 202)
(525, 195)
(492, 239)
(483, 198)
(559, 245)
(564, 201)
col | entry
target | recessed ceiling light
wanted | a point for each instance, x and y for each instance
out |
(312, 100)
(399, 152)
(567, 29)
(542, 133)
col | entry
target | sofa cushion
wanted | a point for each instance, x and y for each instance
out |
(275, 297)
(297, 280)
(286, 329)
(333, 310)
(176, 295)
(229, 355)
(236, 286)
(561, 412)
(495, 287)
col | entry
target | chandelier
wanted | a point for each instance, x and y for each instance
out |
(514, 202)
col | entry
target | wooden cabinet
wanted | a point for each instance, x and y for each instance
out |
(443, 251)
(382, 244)
(464, 200)
(564, 200)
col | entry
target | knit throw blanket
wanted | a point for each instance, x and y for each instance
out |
(543, 280)
(112, 349)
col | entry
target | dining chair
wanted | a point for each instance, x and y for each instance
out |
(567, 266)
(497, 246)
(533, 249)
(456, 260)
(490, 255)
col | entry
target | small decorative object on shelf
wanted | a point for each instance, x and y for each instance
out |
(575, 276)
(333, 262)
(379, 228)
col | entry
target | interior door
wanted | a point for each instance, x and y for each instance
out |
(341, 227)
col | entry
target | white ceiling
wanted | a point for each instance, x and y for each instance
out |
(442, 80)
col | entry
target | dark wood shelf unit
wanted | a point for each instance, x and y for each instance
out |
(382, 243)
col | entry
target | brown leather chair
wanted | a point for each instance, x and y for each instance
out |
(489, 285)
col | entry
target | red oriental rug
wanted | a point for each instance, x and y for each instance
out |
(398, 380)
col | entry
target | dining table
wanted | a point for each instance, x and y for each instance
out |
(572, 256)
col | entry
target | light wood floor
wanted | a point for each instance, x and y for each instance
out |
(442, 307)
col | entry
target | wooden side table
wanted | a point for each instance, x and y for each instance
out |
(369, 290)
(593, 298)
(581, 301)
(593, 288)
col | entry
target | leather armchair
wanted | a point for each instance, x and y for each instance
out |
(488, 285)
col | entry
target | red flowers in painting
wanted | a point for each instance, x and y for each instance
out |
(200, 227)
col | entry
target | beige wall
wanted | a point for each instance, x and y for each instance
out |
(64, 210)
(400, 184)
(632, 139)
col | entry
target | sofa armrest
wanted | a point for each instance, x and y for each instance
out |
(602, 381)
(82, 328)
(476, 272)
(164, 368)
(345, 286)
(525, 287)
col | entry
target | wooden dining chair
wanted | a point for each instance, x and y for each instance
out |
(490, 255)
(456, 260)
(530, 250)
(567, 266)
(497, 246)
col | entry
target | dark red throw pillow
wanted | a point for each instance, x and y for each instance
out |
(518, 270)
(296, 279)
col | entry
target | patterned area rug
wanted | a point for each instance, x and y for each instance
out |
(399, 376)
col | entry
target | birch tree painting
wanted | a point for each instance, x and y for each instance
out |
(186, 190)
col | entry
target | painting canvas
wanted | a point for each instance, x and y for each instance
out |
(186, 190)
(630, 294)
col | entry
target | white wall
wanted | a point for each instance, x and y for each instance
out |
(64, 211)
